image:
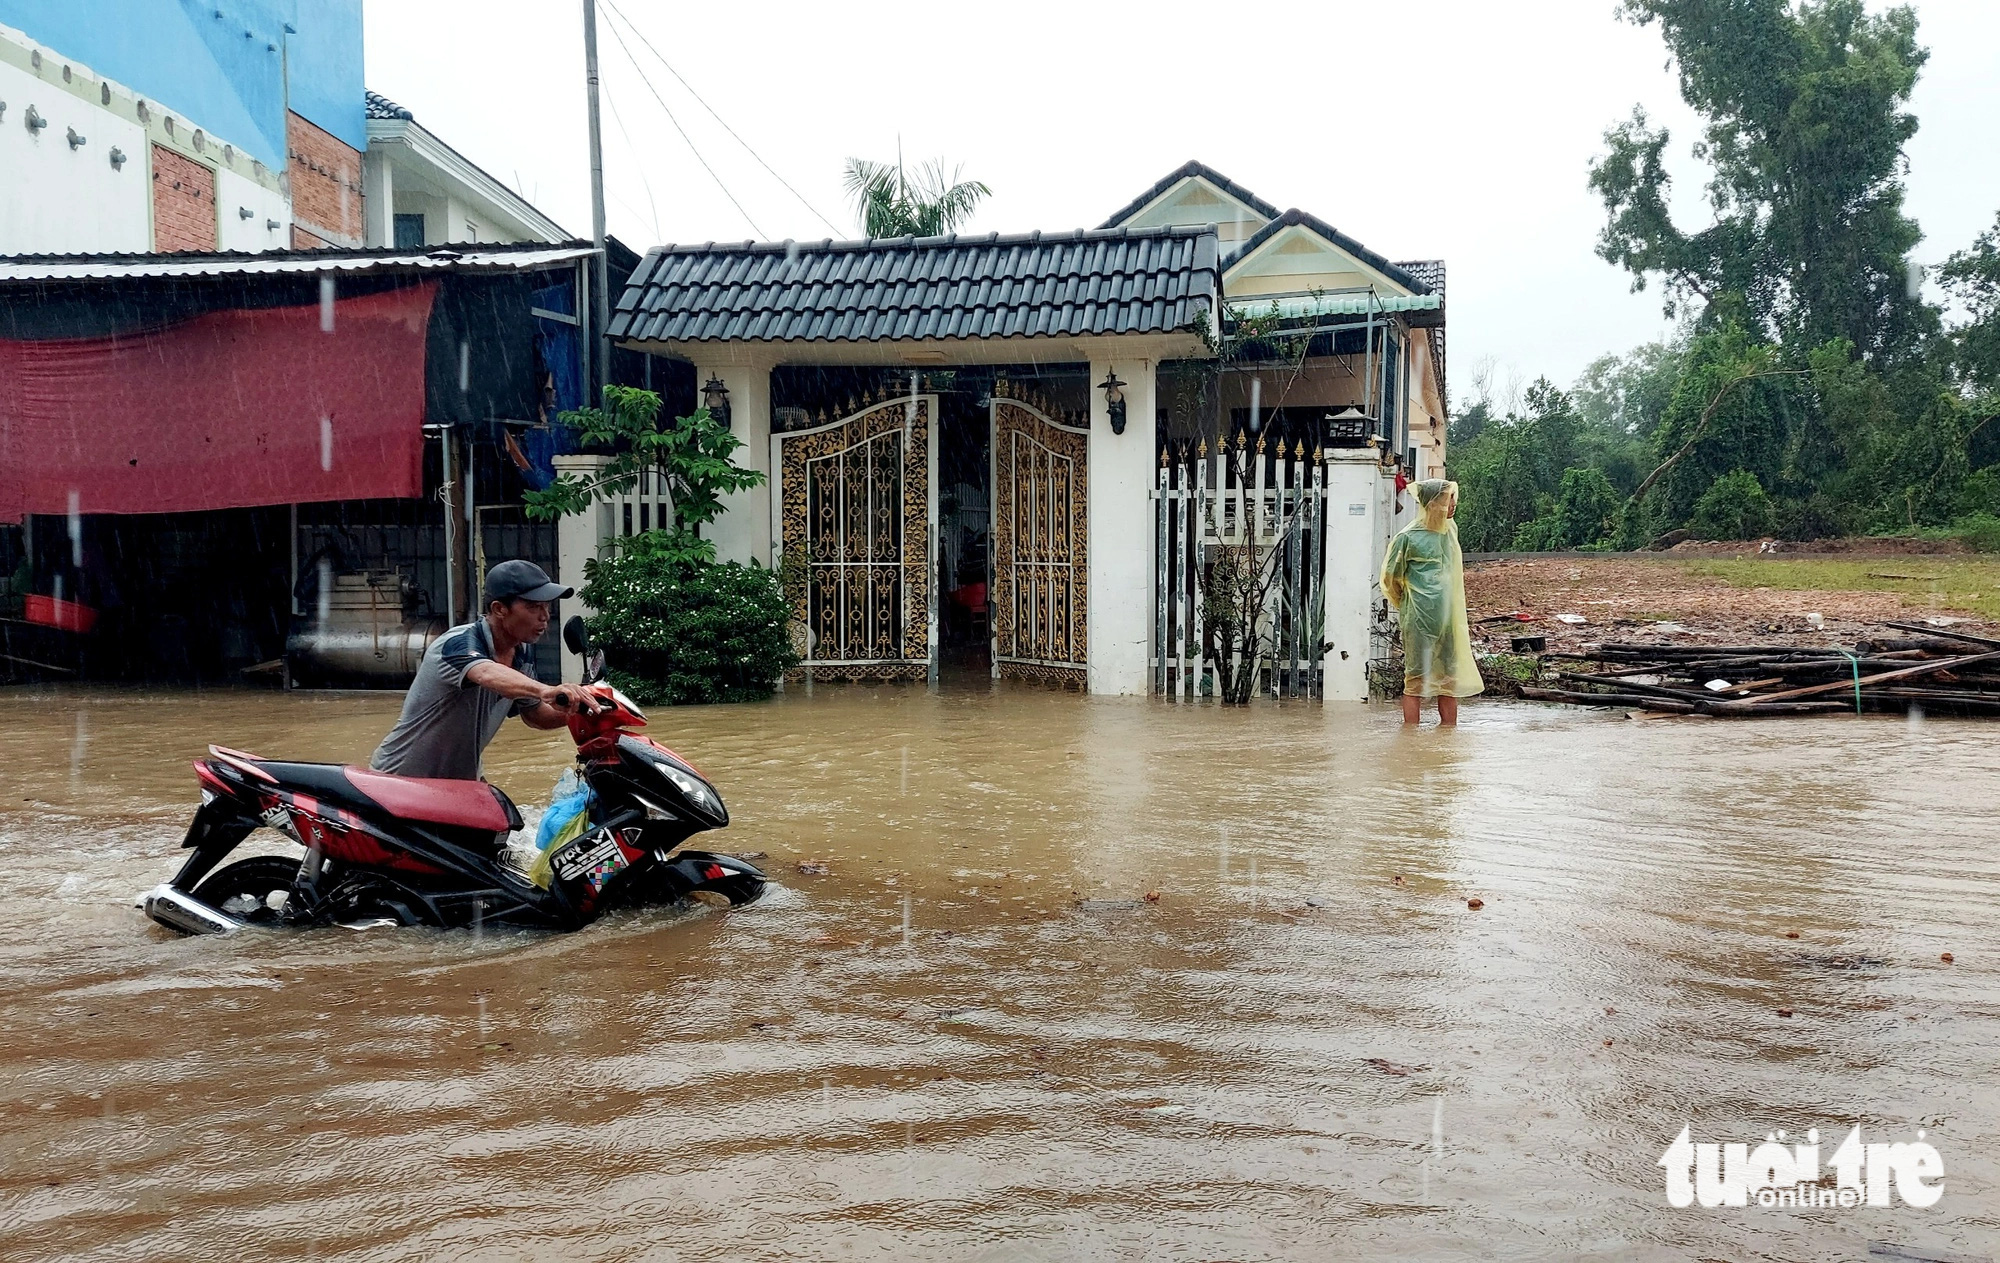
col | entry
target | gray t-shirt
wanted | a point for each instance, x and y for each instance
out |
(447, 720)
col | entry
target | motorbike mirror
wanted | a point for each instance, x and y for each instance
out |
(576, 637)
(593, 666)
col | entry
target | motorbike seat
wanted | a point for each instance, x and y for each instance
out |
(464, 804)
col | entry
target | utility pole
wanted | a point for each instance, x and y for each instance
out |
(600, 291)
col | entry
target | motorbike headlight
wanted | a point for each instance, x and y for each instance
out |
(693, 786)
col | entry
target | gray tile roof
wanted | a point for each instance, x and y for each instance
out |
(1182, 172)
(1030, 285)
(1429, 271)
(380, 106)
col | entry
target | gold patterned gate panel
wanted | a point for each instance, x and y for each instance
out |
(1041, 530)
(855, 503)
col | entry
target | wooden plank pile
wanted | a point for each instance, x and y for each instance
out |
(1937, 672)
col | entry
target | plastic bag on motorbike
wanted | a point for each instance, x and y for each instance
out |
(565, 820)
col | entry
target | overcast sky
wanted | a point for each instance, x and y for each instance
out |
(1455, 129)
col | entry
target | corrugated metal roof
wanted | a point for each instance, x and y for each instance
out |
(1032, 285)
(107, 267)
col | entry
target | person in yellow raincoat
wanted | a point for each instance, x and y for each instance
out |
(1424, 578)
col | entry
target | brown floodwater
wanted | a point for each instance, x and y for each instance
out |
(1292, 1054)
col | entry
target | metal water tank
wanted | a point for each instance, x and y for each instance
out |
(365, 631)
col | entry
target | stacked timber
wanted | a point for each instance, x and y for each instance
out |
(1934, 671)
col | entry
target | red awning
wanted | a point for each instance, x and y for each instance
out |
(228, 410)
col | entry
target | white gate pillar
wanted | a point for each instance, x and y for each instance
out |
(1355, 525)
(743, 532)
(578, 539)
(1122, 474)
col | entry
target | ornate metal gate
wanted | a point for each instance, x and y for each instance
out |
(855, 501)
(1040, 544)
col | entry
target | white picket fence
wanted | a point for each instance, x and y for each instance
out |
(1269, 501)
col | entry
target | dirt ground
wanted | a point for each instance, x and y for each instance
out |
(1652, 597)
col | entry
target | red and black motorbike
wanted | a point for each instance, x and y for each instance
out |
(414, 851)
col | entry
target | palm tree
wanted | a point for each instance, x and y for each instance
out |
(893, 202)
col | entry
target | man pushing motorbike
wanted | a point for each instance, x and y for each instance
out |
(418, 839)
(473, 677)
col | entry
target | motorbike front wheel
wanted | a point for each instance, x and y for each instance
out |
(717, 880)
(254, 891)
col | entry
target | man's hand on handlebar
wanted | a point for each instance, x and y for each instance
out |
(571, 697)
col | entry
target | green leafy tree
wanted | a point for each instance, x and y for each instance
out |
(1903, 438)
(677, 626)
(1733, 507)
(1729, 409)
(894, 202)
(1469, 423)
(1498, 488)
(1806, 122)
(694, 457)
(1584, 513)
(1628, 394)
(1509, 474)
(1973, 277)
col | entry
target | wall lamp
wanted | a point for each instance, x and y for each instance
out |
(117, 158)
(76, 141)
(715, 398)
(34, 120)
(1114, 400)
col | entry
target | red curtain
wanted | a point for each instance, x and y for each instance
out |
(227, 410)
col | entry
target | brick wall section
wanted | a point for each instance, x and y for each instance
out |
(326, 187)
(183, 202)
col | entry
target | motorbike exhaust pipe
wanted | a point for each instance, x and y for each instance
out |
(188, 915)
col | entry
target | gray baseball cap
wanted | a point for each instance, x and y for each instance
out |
(523, 581)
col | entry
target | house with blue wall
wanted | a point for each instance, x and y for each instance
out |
(146, 125)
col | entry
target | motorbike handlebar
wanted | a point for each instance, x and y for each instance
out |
(588, 705)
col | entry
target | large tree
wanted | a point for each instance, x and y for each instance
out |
(1805, 102)
(1973, 276)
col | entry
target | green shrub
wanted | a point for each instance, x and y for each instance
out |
(1538, 535)
(1980, 492)
(1584, 514)
(1733, 507)
(681, 631)
(1815, 517)
(1980, 531)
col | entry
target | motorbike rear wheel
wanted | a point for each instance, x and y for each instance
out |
(253, 891)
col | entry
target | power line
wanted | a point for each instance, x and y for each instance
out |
(719, 119)
(683, 131)
(619, 119)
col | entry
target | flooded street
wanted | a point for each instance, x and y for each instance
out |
(972, 1037)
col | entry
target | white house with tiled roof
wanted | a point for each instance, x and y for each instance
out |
(1295, 263)
(1024, 456)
